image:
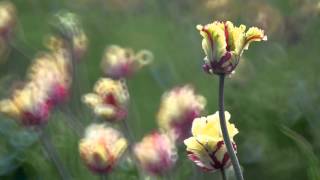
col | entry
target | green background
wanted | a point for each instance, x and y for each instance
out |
(273, 97)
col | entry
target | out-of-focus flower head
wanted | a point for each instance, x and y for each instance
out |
(51, 73)
(28, 105)
(119, 62)
(101, 148)
(224, 43)
(8, 18)
(178, 108)
(69, 34)
(109, 99)
(206, 147)
(156, 153)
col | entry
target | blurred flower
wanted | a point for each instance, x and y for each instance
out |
(223, 44)
(156, 153)
(51, 73)
(101, 148)
(119, 62)
(206, 147)
(178, 108)
(29, 105)
(8, 21)
(69, 34)
(8, 18)
(109, 99)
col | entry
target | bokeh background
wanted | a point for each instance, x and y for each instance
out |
(273, 97)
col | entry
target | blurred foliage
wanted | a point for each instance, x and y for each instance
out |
(273, 97)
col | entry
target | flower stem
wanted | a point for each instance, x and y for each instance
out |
(50, 149)
(226, 138)
(223, 174)
(103, 177)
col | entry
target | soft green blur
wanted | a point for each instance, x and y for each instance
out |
(274, 96)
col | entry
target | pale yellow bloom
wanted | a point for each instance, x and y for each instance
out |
(178, 109)
(224, 43)
(206, 146)
(101, 148)
(28, 105)
(109, 99)
(51, 73)
(156, 153)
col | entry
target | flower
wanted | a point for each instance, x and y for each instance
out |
(109, 99)
(101, 148)
(51, 72)
(47, 85)
(8, 19)
(178, 109)
(224, 43)
(29, 105)
(156, 153)
(122, 63)
(206, 147)
(69, 35)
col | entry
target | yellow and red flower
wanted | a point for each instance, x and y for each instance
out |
(101, 148)
(109, 99)
(224, 43)
(28, 105)
(119, 62)
(206, 147)
(51, 73)
(156, 153)
(178, 108)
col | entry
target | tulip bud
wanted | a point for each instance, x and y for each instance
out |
(101, 148)
(156, 153)
(206, 147)
(224, 43)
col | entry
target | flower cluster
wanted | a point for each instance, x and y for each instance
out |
(224, 43)
(119, 62)
(156, 153)
(109, 99)
(101, 148)
(178, 108)
(206, 146)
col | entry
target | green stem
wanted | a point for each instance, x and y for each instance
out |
(223, 174)
(103, 177)
(226, 138)
(50, 149)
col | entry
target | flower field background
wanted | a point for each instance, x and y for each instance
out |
(274, 96)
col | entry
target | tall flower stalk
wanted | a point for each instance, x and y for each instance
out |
(223, 44)
(225, 133)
